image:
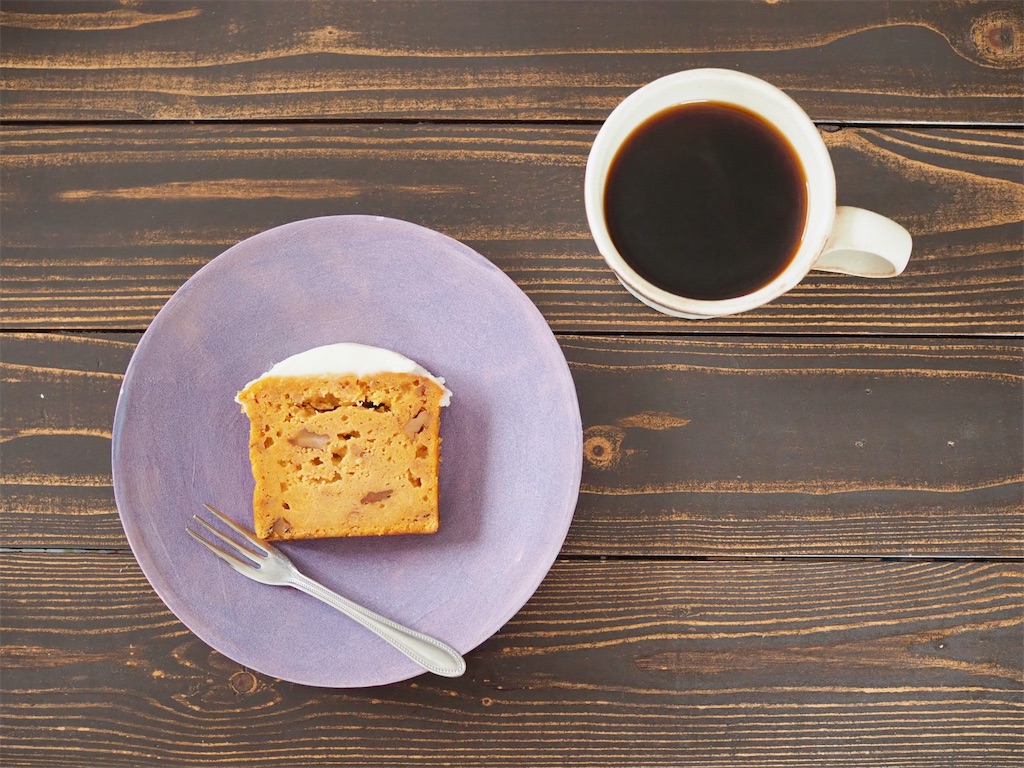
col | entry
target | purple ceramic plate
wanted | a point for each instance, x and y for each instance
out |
(512, 443)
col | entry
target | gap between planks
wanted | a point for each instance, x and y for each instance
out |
(655, 335)
(826, 125)
(624, 558)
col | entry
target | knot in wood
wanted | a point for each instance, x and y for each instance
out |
(243, 682)
(998, 36)
(602, 446)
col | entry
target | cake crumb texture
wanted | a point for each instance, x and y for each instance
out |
(338, 455)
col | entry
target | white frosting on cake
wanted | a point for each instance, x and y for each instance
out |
(352, 360)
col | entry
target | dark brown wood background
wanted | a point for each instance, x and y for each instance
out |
(800, 535)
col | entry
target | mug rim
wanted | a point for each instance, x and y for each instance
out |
(802, 135)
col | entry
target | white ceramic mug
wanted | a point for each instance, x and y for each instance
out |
(847, 240)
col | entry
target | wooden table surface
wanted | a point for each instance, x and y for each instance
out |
(800, 534)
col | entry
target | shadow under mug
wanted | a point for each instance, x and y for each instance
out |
(850, 241)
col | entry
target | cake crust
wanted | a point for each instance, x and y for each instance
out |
(342, 455)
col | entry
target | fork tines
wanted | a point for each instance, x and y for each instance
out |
(251, 559)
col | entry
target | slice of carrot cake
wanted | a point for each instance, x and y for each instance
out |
(344, 441)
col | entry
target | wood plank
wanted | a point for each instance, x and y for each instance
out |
(800, 446)
(102, 224)
(860, 60)
(777, 446)
(610, 663)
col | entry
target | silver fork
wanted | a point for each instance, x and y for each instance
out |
(269, 566)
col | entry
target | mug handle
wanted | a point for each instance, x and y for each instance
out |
(865, 244)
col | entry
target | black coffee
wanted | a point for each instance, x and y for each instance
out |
(706, 201)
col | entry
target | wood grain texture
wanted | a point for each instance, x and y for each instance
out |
(739, 446)
(103, 223)
(800, 446)
(913, 664)
(859, 60)
(829, 424)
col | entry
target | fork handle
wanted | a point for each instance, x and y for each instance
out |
(429, 653)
